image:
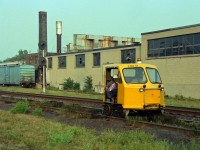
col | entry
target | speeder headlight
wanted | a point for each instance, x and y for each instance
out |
(162, 88)
(141, 89)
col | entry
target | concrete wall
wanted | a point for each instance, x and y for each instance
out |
(180, 74)
(56, 76)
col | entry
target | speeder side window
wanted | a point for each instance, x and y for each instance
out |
(154, 76)
(134, 75)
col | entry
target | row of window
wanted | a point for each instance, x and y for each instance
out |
(127, 56)
(177, 45)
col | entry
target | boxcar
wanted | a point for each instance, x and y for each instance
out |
(23, 75)
(27, 76)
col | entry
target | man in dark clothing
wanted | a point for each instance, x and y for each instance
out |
(111, 88)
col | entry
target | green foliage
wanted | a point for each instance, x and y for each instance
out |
(52, 88)
(88, 84)
(179, 97)
(20, 57)
(37, 112)
(20, 107)
(64, 137)
(76, 86)
(29, 132)
(69, 84)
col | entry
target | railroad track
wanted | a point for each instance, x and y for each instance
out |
(144, 124)
(185, 111)
(92, 102)
(59, 99)
(172, 110)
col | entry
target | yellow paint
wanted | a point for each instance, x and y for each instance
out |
(129, 95)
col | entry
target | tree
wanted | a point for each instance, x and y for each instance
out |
(20, 57)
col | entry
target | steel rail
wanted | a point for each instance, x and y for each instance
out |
(173, 110)
(186, 111)
(136, 124)
(73, 100)
(167, 127)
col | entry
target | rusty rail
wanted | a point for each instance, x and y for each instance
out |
(95, 102)
(73, 100)
(185, 111)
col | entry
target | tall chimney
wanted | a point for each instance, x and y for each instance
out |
(58, 33)
(42, 48)
(43, 31)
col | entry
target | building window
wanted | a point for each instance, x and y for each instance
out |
(174, 46)
(128, 56)
(80, 60)
(50, 62)
(96, 59)
(62, 62)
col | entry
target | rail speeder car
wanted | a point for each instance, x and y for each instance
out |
(139, 88)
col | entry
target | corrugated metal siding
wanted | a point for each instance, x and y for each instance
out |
(2, 74)
(9, 74)
(27, 74)
(13, 74)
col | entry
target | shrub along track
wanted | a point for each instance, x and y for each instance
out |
(130, 123)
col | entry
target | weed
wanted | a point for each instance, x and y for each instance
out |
(63, 137)
(179, 97)
(20, 107)
(37, 112)
(52, 88)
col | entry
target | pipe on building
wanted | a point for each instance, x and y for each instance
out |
(59, 34)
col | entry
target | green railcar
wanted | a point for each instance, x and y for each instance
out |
(27, 75)
(23, 75)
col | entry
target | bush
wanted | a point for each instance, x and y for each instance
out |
(37, 112)
(88, 86)
(76, 86)
(69, 84)
(20, 107)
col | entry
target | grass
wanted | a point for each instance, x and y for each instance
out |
(20, 107)
(37, 112)
(170, 101)
(51, 92)
(19, 131)
(193, 103)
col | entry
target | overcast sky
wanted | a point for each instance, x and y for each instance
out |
(19, 23)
